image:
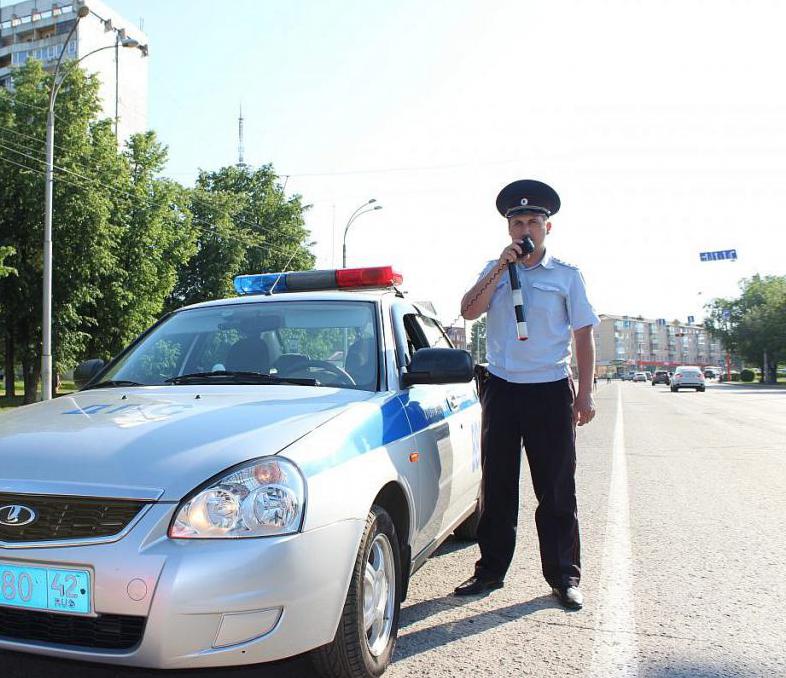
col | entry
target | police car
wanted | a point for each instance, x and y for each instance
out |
(251, 479)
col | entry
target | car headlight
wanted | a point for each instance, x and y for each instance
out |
(263, 498)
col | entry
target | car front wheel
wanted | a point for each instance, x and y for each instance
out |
(367, 631)
(674, 389)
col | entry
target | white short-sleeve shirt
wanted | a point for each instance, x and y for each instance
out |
(555, 304)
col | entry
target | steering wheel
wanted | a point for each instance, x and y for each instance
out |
(343, 376)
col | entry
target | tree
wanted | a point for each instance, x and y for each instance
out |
(754, 325)
(478, 340)
(82, 229)
(245, 224)
(155, 235)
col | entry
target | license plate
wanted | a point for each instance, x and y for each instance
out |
(45, 588)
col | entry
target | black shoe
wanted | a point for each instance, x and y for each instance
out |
(570, 597)
(477, 584)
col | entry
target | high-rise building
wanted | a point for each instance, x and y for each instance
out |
(625, 343)
(38, 29)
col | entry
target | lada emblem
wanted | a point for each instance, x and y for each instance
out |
(16, 515)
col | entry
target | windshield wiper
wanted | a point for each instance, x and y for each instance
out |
(238, 378)
(112, 383)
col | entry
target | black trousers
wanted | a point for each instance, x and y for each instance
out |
(540, 416)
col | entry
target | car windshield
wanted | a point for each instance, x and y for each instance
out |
(325, 343)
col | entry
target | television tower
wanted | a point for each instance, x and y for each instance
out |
(240, 162)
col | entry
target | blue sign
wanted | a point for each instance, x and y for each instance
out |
(726, 314)
(720, 255)
(690, 320)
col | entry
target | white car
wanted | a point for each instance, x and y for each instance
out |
(251, 479)
(640, 376)
(687, 376)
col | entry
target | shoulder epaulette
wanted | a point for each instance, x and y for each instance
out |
(564, 263)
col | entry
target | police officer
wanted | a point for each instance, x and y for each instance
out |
(529, 395)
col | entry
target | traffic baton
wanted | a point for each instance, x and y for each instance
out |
(518, 302)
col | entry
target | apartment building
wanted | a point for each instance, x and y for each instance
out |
(626, 343)
(38, 29)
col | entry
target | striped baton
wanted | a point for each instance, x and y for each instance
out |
(528, 247)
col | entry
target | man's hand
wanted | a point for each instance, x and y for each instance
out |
(511, 254)
(583, 409)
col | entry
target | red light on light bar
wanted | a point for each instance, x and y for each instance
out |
(376, 276)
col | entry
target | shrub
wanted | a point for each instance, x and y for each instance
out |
(747, 375)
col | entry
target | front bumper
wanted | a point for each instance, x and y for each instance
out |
(208, 602)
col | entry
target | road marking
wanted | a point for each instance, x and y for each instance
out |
(615, 652)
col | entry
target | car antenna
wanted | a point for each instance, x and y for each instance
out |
(269, 293)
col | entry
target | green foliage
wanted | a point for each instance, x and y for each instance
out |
(127, 244)
(747, 375)
(155, 235)
(756, 322)
(82, 230)
(245, 224)
(6, 251)
(478, 340)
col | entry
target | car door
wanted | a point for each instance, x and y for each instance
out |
(430, 414)
(464, 422)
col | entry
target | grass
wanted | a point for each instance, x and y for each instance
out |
(16, 401)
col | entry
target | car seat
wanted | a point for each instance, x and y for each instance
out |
(361, 364)
(248, 355)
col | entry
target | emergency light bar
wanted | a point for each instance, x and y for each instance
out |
(309, 281)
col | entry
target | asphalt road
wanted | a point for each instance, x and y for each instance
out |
(682, 499)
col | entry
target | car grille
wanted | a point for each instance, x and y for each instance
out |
(106, 632)
(62, 518)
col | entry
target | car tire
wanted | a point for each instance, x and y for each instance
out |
(700, 390)
(468, 529)
(366, 637)
(674, 389)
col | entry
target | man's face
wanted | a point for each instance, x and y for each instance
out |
(532, 224)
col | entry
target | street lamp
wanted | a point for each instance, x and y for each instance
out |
(81, 10)
(358, 212)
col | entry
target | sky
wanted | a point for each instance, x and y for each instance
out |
(661, 124)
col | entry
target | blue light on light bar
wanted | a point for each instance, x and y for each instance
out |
(311, 281)
(262, 283)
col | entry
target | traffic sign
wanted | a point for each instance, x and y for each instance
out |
(690, 320)
(720, 255)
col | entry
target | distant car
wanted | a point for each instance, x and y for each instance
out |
(649, 375)
(687, 376)
(627, 376)
(710, 374)
(640, 376)
(661, 377)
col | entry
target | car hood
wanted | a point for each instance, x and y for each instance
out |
(154, 442)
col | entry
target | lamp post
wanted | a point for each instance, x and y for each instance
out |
(358, 212)
(81, 10)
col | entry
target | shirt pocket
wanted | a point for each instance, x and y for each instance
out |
(549, 300)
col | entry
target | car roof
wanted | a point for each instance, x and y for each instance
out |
(321, 295)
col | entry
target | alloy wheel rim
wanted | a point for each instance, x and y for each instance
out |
(379, 590)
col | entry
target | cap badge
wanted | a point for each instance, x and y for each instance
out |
(524, 201)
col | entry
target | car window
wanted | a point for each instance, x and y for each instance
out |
(288, 338)
(429, 331)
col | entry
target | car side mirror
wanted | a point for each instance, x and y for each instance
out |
(438, 366)
(86, 370)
